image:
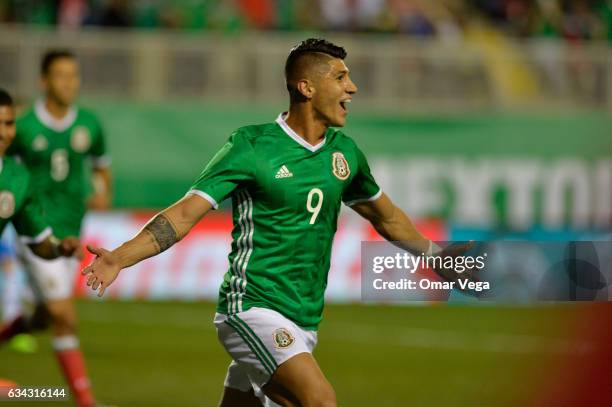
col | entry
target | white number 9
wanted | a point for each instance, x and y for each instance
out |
(314, 209)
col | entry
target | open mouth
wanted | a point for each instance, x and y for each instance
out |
(344, 103)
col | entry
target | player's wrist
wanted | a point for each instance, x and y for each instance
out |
(113, 258)
(119, 258)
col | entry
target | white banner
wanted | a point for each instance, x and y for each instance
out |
(193, 269)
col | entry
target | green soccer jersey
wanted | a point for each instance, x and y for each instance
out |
(286, 197)
(19, 204)
(55, 152)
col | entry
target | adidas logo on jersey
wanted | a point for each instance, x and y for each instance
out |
(283, 172)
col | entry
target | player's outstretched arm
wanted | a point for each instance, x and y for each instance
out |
(393, 224)
(164, 230)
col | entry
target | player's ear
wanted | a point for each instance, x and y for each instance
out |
(305, 88)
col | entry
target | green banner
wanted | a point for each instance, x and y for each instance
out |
(158, 150)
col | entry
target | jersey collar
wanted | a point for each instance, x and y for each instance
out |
(51, 122)
(1, 164)
(280, 120)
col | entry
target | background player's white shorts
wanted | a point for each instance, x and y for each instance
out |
(50, 279)
(259, 340)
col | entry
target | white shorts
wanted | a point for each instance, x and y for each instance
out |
(259, 340)
(50, 279)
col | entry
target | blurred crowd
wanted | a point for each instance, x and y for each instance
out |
(569, 19)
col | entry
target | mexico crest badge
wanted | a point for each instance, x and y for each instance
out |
(282, 338)
(80, 139)
(340, 166)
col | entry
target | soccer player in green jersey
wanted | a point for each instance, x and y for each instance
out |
(287, 180)
(56, 141)
(19, 205)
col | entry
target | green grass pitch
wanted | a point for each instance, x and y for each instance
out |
(167, 354)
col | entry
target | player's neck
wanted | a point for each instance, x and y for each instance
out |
(305, 125)
(56, 110)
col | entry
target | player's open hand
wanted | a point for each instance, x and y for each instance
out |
(456, 250)
(102, 271)
(71, 246)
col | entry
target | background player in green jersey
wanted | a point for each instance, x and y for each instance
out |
(287, 180)
(20, 205)
(56, 140)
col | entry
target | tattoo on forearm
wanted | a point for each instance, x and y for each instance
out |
(163, 233)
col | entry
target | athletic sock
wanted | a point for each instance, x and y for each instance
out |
(73, 366)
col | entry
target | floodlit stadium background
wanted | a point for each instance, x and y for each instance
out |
(482, 119)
